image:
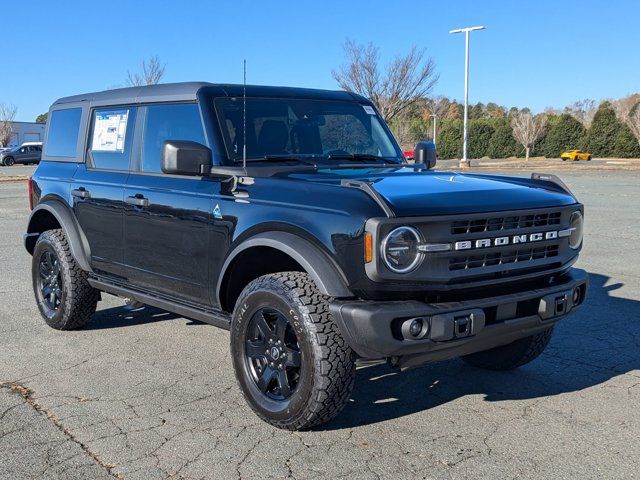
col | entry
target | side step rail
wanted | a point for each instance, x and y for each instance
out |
(218, 319)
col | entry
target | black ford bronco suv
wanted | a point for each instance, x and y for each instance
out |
(290, 217)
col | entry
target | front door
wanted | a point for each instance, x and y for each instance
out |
(21, 155)
(167, 222)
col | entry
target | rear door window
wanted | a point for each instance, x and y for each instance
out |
(111, 137)
(64, 126)
(168, 122)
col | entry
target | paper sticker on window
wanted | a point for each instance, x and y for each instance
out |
(369, 109)
(109, 131)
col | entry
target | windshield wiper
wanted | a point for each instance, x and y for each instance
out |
(358, 157)
(291, 157)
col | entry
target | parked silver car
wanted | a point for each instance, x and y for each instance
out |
(27, 153)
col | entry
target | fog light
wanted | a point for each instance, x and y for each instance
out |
(416, 327)
(577, 296)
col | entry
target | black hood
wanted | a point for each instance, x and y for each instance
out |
(417, 193)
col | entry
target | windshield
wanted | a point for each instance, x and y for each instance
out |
(303, 128)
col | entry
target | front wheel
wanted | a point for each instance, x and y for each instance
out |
(9, 161)
(513, 355)
(290, 360)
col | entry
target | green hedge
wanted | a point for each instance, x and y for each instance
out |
(493, 137)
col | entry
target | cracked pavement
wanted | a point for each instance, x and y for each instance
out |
(148, 394)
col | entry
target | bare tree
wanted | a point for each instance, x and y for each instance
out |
(628, 109)
(583, 111)
(527, 128)
(392, 89)
(152, 73)
(438, 106)
(7, 115)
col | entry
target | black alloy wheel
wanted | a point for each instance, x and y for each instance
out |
(294, 368)
(272, 354)
(49, 282)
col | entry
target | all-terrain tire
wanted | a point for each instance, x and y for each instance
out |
(513, 355)
(78, 299)
(327, 371)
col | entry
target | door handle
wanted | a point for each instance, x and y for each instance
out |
(138, 200)
(81, 193)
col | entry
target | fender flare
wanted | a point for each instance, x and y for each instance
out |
(326, 274)
(75, 236)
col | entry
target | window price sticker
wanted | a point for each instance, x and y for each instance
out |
(109, 131)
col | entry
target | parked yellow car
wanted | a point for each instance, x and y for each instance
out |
(575, 155)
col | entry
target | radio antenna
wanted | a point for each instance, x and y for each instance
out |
(244, 117)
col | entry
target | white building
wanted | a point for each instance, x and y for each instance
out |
(26, 132)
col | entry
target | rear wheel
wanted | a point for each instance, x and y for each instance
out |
(513, 355)
(291, 362)
(64, 297)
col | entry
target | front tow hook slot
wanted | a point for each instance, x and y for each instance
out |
(561, 305)
(555, 305)
(456, 325)
(462, 326)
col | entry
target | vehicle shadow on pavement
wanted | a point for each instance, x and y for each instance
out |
(119, 317)
(599, 342)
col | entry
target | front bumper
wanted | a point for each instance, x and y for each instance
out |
(376, 329)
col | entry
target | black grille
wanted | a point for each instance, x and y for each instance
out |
(503, 257)
(495, 224)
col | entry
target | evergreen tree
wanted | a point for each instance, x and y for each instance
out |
(502, 143)
(601, 137)
(625, 144)
(564, 132)
(480, 133)
(450, 139)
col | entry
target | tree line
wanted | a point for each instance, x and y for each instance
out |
(496, 132)
(401, 90)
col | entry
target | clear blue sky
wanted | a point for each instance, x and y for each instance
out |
(535, 53)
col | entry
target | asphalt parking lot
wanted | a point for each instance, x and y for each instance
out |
(147, 394)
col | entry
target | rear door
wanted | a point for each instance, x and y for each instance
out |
(98, 186)
(168, 217)
(32, 154)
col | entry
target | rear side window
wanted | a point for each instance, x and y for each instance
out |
(64, 126)
(168, 122)
(111, 137)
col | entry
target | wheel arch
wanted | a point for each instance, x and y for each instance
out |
(302, 254)
(52, 214)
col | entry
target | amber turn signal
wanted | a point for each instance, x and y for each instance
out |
(368, 247)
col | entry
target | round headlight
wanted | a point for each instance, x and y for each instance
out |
(399, 249)
(576, 224)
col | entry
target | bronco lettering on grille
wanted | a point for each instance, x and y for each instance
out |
(511, 240)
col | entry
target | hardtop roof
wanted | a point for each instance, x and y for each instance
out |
(186, 91)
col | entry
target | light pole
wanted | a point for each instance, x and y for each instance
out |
(435, 122)
(465, 161)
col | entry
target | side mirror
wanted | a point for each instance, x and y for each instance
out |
(425, 152)
(184, 157)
